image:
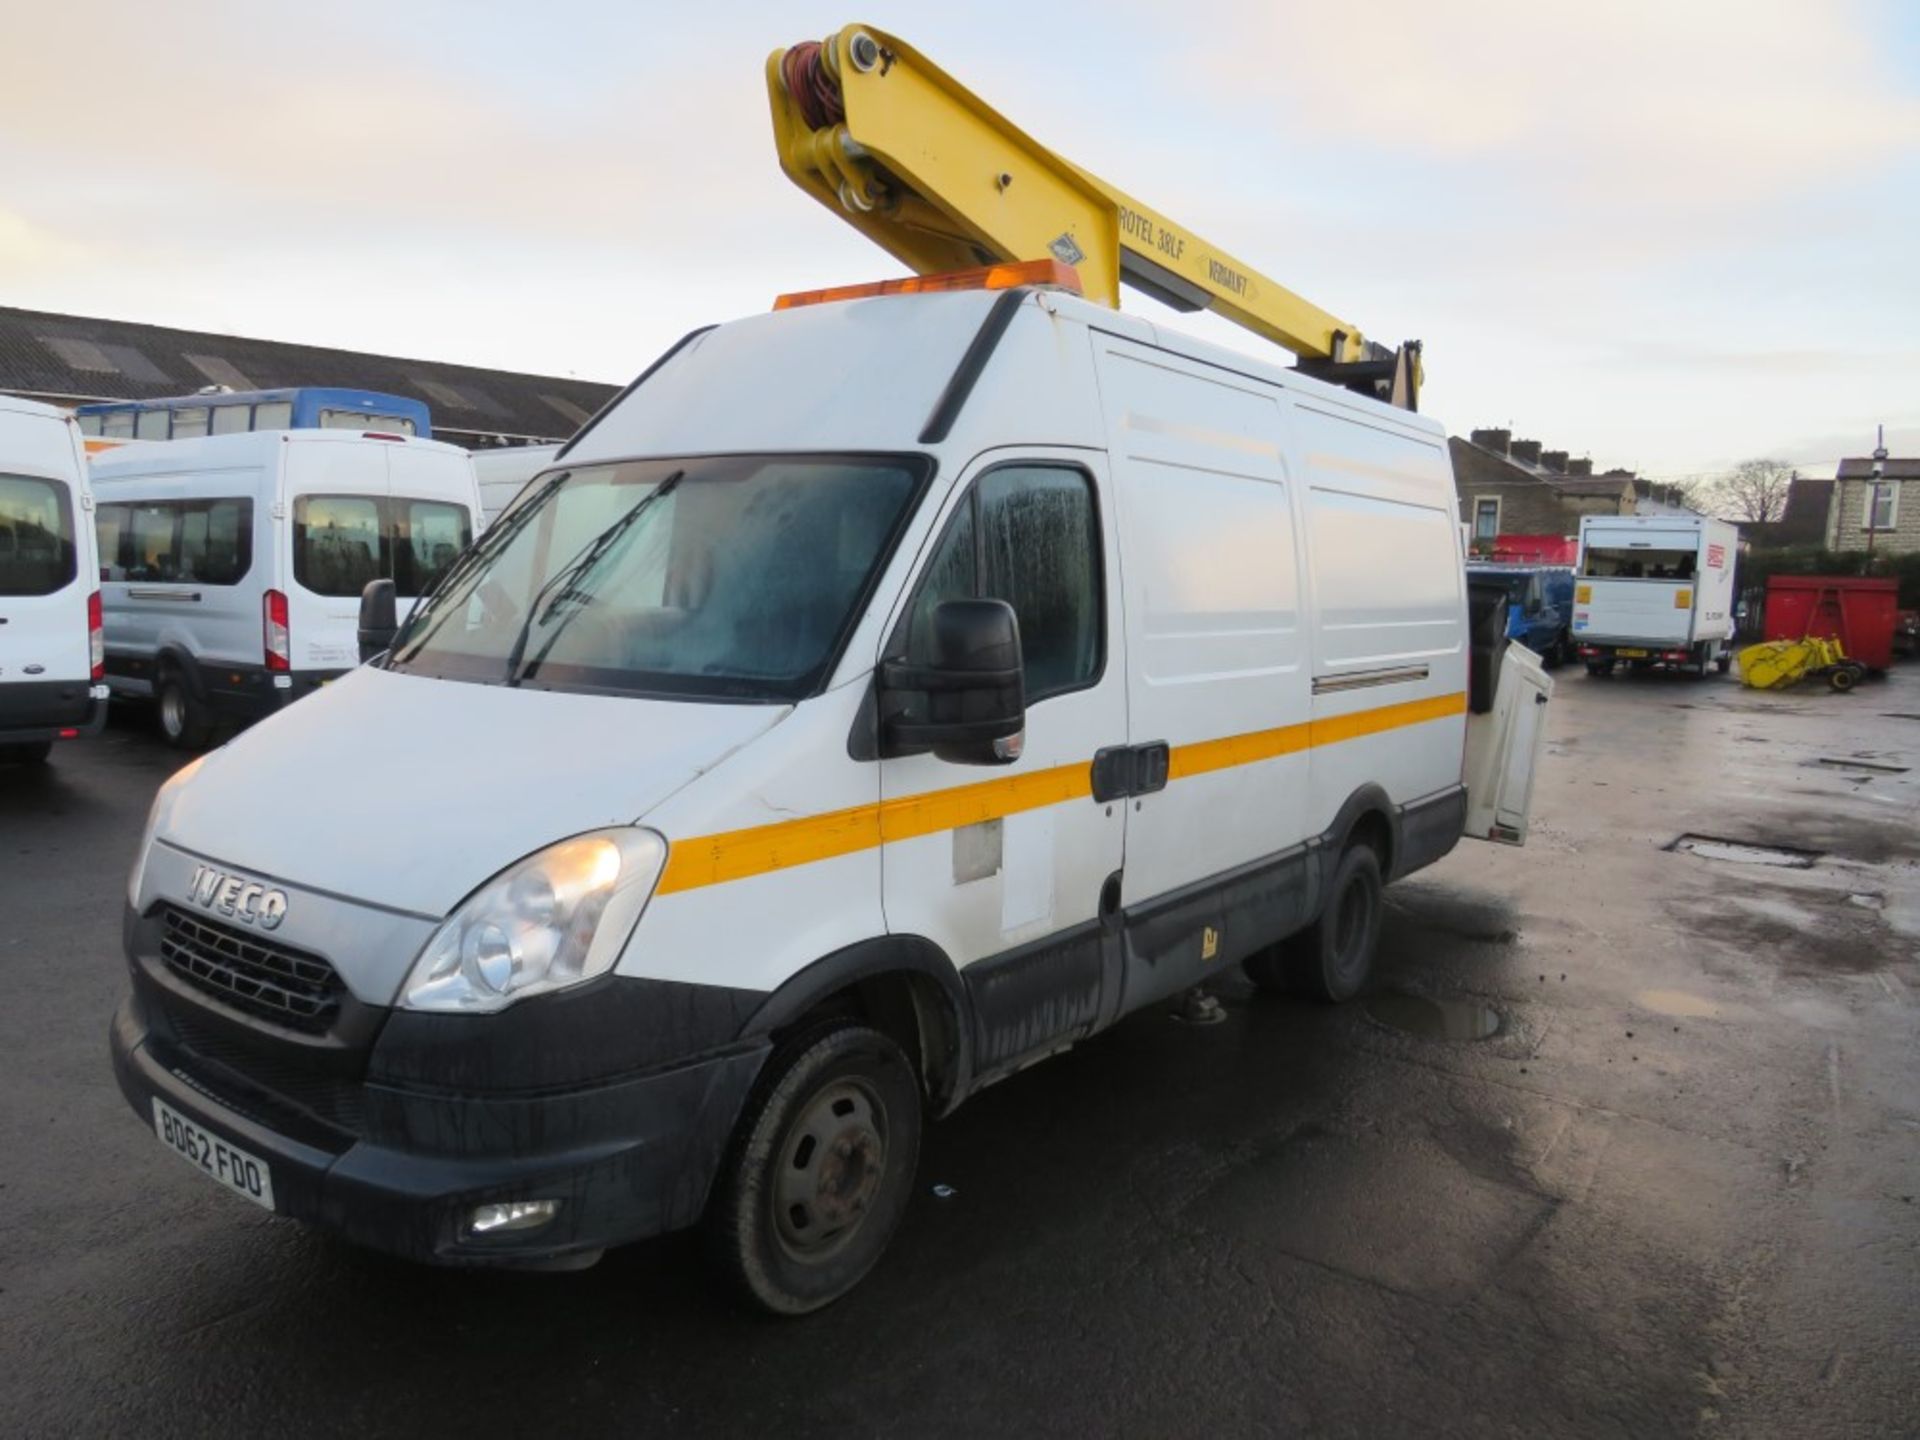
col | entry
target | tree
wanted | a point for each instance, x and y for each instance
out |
(1754, 491)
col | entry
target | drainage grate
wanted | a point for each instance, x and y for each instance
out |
(1861, 765)
(1745, 852)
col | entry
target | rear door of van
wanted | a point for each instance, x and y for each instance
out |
(47, 569)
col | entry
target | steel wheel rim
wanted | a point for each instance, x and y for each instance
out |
(828, 1169)
(173, 711)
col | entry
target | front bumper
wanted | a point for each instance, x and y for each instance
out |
(400, 1169)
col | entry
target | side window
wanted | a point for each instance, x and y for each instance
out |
(1029, 535)
(155, 552)
(112, 525)
(190, 424)
(232, 419)
(216, 541)
(151, 425)
(434, 533)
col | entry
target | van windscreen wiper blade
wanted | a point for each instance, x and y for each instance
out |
(571, 573)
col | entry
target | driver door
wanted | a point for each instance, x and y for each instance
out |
(1005, 867)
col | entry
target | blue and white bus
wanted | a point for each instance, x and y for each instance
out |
(225, 412)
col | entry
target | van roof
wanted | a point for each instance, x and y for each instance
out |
(242, 447)
(866, 375)
(16, 405)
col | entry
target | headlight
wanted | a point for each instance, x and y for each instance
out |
(560, 916)
(156, 814)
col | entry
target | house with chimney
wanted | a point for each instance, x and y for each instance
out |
(1881, 513)
(1519, 487)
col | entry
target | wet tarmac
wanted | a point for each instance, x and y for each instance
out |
(1674, 1189)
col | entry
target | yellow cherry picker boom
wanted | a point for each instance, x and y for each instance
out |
(908, 156)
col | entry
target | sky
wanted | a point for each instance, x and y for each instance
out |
(1666, 234)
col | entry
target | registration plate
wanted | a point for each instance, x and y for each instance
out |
(246, 1175)
(1632, 654)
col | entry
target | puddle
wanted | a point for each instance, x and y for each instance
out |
(1434, 1019)
(1861, 765)
(1741, 852)
(1675, 1002)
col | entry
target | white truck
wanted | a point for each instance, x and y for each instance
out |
(1654, 590)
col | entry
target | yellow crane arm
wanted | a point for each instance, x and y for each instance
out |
(939, 179)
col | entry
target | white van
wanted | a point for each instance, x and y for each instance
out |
(882, 696)
(50, 678)
(1655, 590)
(233, 564)
(504, 473)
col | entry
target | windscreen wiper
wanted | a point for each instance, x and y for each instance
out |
(572, 573)
(495, 539)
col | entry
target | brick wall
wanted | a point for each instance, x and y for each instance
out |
(1848, 515)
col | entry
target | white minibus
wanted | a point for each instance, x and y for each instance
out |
(50, 685)
(232, 565)
(881, 696)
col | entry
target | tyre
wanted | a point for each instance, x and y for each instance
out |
(1599, 667)
(182, 720)
(820, 1169)
(34, 754)
(1843, 677)
(1331, 959)
(1724, 661)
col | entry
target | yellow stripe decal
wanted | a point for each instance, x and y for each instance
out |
(739, 854)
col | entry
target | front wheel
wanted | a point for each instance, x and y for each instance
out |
(820, 1170)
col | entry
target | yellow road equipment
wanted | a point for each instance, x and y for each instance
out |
(908, 156)
(1777, 664)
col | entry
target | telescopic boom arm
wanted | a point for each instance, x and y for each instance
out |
(907, 155)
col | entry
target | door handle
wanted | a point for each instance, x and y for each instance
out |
(1120, 771)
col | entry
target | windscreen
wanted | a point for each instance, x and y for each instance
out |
(1639, 564)
(732, 576)
(36, 536)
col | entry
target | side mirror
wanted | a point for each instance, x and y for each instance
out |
(379, 619)
(969, 705)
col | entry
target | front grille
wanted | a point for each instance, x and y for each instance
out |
(287, 1079)
(288, 987)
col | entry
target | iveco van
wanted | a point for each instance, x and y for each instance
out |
(881, 696)
(233, 564)
(50, 685)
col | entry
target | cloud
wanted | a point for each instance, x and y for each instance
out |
(1676, 107)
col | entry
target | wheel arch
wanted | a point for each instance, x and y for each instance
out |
(904, 986)
(1369, 814)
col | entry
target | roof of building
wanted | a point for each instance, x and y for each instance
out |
(1862, 469)
(71, 359)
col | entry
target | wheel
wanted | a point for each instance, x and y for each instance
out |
(1723, 662)
(34, 754)
(820, 1169)
(1843, 677)
(1332, 958)
(1599, 667)
(182, 721)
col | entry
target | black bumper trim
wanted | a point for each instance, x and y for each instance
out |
(627, 1159)
(36, 710)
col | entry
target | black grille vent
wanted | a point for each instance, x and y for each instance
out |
(288, 987)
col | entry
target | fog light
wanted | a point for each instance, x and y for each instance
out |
(510, 1216)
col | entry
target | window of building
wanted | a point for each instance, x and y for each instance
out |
(1486, 518)
(1028, 535)
(1883, 505)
